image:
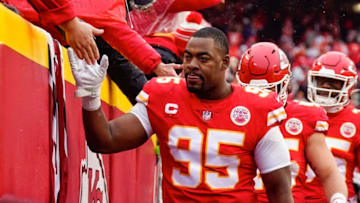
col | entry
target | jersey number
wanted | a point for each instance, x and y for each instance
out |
(192, 155)
(258, 91)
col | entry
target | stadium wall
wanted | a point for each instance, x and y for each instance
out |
(37, 165)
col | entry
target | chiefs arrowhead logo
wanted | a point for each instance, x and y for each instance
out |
(347, 129)
(294, 126)
(240, 115)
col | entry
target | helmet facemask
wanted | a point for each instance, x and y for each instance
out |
(331, 99)
(282, 88)
(331, 79)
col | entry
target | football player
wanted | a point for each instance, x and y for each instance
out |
(212, 135)
(330, 82)
(265, 65)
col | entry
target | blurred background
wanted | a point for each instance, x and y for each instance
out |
(303, 29)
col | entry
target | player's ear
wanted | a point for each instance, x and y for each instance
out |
(225, 62)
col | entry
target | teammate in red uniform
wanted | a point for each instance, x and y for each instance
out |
(265, 65)
(330, 82)
(213, 135)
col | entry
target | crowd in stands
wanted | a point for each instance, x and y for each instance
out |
(302, 35)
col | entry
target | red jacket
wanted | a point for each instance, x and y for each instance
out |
(166, 40)
(109, 15)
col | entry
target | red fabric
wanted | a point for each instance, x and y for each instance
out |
(53, 12)
(25, 175)
(110, 10)
(191, 5)
(58, 134)
(61, 122)
(129, 43)
(109, 16)
(166, 40)
(300, 124)
(187, 119)
(24, 140)
(27, 11)
(132, 46)
(186, 29)
(343, 139)
(181, 44)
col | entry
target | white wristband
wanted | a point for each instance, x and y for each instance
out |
(91, 103)
(338, 198)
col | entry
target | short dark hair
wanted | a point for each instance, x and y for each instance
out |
(219, 37)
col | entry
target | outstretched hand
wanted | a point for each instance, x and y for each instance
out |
(88, 77)
(80, 36)
(167, 69)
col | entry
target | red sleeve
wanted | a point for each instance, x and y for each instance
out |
(53, 12)
(191, 5)
(131, 45)
(321, 120)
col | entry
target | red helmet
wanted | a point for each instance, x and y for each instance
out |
(337, 66)
(265, 65)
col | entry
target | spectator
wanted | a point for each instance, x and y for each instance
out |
(110, 16)
(78, 34)
(118, 38)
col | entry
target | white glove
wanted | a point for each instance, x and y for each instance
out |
(88, 79)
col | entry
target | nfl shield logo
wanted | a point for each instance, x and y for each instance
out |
(206, 115)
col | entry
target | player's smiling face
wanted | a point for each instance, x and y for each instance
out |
(202, 65)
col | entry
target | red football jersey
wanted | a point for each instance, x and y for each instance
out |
(343, 139)
(208, 146)
(303, 120)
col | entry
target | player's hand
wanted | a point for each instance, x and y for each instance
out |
(80, 36)
(167, 69)
(88, 80)
(88, 77)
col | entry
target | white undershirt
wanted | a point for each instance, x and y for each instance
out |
(139, 110)
(271, 152)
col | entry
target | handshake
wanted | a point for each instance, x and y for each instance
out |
(88, 79)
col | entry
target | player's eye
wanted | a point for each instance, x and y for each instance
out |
(187, 57)
(204, 59)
